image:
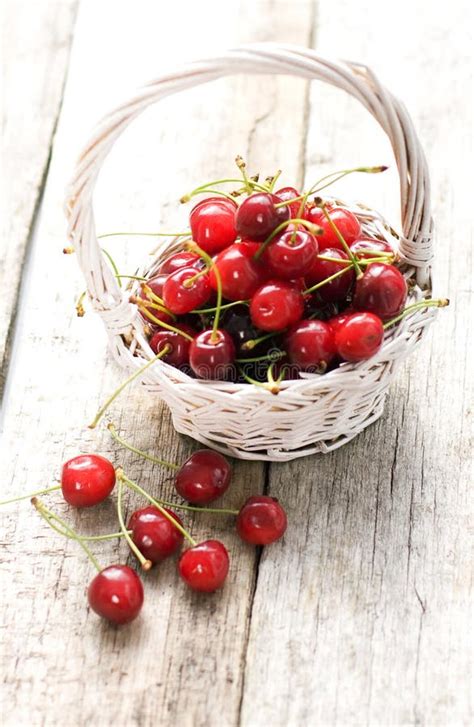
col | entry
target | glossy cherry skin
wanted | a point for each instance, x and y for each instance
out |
(178, 260)
(347, 224)
(261, 520)
(310, 345)
(156, 284)
(205, 566)
(212, 356)
(178, 356)
(241, 275)
(381, 290)
(367, 247)
(180, 298)
(213, 224)
(276, 305)
(153, 534)
(337, 289)
(204, 477)
(257, 216)
(291, 254)
(116, 594)
(87, 480)
(359, 337)
(286, 193)
(336, 321)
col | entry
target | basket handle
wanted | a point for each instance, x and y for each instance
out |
(263, 58)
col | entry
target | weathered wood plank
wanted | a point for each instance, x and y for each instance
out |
(181, 662)
(35, 51)
(373, 580)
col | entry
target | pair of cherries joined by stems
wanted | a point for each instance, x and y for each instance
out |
(156, 532)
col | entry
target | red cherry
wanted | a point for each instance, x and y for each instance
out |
(178, 260)
(359, 337)
(179, 354)
(116, 594)
(276, 305)
(87, 480)
(241, 275)
(212, 355)
(213, 224)
(182, 299)
(291, 254)
(204, 567)
(153, 534)
(286, 193)
(310, 345)
(204, 477)
(347, 224)
(381, 290)
(261, 520)
(337, 321)
(367, 247)
(338, 288)
(156, 285)
(257, 216)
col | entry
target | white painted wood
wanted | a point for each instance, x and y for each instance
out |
(35, 50)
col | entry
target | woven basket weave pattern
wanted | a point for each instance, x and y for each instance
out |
(312, 414)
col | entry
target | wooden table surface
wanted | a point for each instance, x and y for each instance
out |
(361, 614)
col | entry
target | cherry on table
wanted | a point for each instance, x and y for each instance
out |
(382, 290)
(116, 594)
(261, 520)
(154, 534)
(310, 345)
(240, 273)
(212, 223)
(180, 296)
(346, 222)
(180, 259)
(359, 337)
(204, 477)
(257, 216)
(336, 289)
(205, 566)
(87, 480)
(276, 305)
(291, 254)
(212, 355)
(178, 354)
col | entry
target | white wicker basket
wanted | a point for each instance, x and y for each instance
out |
(315, 413)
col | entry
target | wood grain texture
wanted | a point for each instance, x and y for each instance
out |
(35, 51)
(373, 581)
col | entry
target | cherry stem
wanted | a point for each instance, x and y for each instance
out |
(272, 388)
(273, 181)
(128, 381)
(51, 518)
(144, 562)
(153, 296)
(205, 188)
(145, 455)
(133, 277)
(314, 229)
(338, 175)
(113, 265)
(341, 239)
(80, 312)
(145, 234)
(211, 265)
(144, 308)
(31, 494)
(326, 280)
(430, 303)
(250, 345)
(243, 169)
(272, 356)
(133, 485)
(223, 307)
(362, 261)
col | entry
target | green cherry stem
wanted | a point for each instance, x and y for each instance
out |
(46, 491)
(144, 562)
(273, 180)
(341, 239)
(136, 374)
(314, 229)
(362, 261)
(206, 188)
(113, 265)
(133, 485)
(146, 312)
(337, 176)
(153, 296)
(243, 169)
(250, 345)
(430, 303)
(80, 312)
(132, 277)
(272, 356)
(326, 280)
(193, 247)
(135, 450)
(223, 307)
(51, 518)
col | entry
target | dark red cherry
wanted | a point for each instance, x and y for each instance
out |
(285, 194)
(156, 284)
(276, 305)
(310, 345)
(178, 260)
(291, 254)
(116, 594)
(337, 289)
(182, 298)
(212, 355)
(178, 356)
(336, 321)
(153, 534)
(261, 520)
(359, 337)
(257, 216)
(205, 566)
(367, 247)
(213, 224)
(241, 275)
(347, 224)
(87, 480)
(204, 477)
(381, 290)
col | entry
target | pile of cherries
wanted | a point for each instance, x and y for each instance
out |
(276, 284)
(155, 532)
